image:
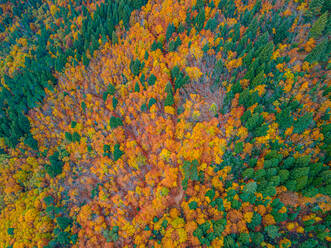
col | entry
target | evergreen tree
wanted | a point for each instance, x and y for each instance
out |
(117, 152)
(315, 7)
(170, 30)
(114, 38)
(115, 122)
(55, 167)
(319, 26)
(200, 20)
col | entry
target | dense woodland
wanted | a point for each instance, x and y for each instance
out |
(175, 123)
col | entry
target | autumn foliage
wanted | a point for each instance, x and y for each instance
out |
(198, 124)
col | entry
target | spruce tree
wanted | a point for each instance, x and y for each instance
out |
(319, 26)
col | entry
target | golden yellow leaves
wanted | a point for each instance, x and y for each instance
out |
(213, 108)
(231, 21)
(287, 12)
(248, 217)
(166, 141)
(196, 114)
(268, 220)
(242, 133)
(30, 216)
(169, 110)
(285, 243)
(193, 72)
(226, 204)
(128, 230)
(24, 216)
(165, 154)
(218, 145)
(232, 64)
(182, 235)
(261, 89)
(292, 226)
(275, 54)
(153, 111)
(289, 75)
(263, 139)
(302, 7)
(218, 184)
(218, 242)
(261, 210)
(159, 29)
(16, 57)
(196, 51)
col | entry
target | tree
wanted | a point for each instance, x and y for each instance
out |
(256, 221)
(136, 66)
(317, 54)
(136, 87)
(63, 222)
(55, 166)
(315, 7)
(200, 19)
(170, 30)
(319, 26)
(244, 238)
(151, 80)
(115, 122)
(114, 37)
(169, 101)
(31, 142)
(111, 235)
(117, 152)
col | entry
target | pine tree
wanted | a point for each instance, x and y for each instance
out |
(117, 152)
(151, 80)
(135, 66)
(114, 37)
(115, 122)
(169, 101)
(170, 30)
(151, 102)
(56, 165)
(319, 26)
(136, 87)
(315, 7)
(200, 20)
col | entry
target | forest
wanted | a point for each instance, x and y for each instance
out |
(165, 123)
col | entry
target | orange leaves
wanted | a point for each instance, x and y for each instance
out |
(309, 45)
(285, 243)
(242, 133)
(260, 89)
(268, 220)
(152, 177)
(289, 131)
(26, 219)
(170, 177)
(84, 213)
(218, 184)
(234, 216)
(261, 210)
(232, 64)
(201, 125)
